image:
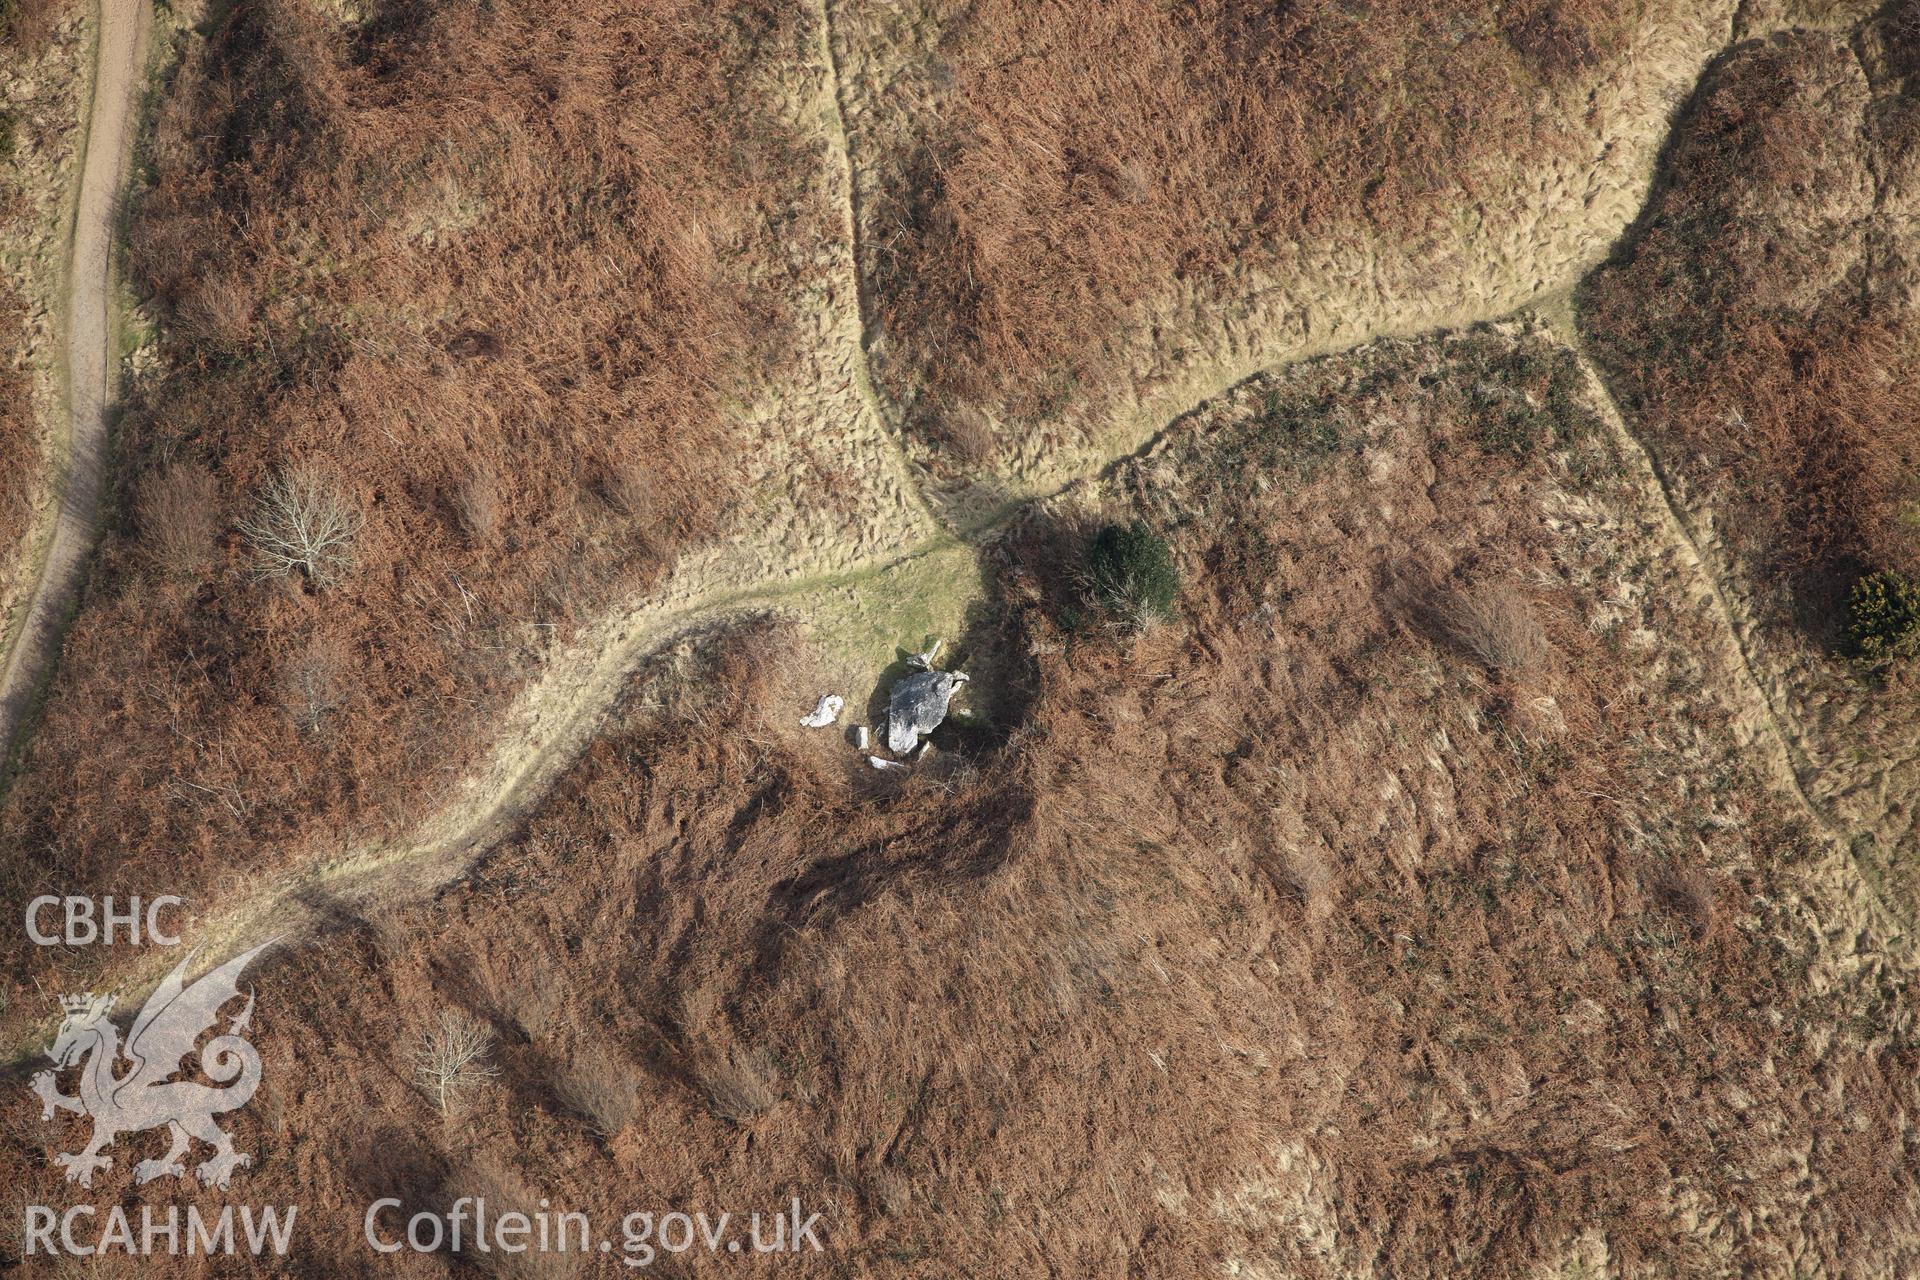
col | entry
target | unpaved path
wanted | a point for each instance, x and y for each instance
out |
(840, 150)
(1765, 728)
(88, 364)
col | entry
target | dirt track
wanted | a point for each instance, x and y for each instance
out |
(88, 365)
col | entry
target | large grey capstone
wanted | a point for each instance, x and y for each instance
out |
(917, 705)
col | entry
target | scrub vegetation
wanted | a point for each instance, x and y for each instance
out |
(455, 302)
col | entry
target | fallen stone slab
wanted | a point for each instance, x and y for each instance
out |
(825, 712)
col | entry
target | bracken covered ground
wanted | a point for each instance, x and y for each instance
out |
(486, 276)
(1415, 966)
(1492, 868)
(1075, 226)
(1060, 166)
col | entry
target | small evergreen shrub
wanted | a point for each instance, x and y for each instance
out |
(1130, 573)
(1883, 618)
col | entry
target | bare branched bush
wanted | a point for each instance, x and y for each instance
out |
(303, 524)
(601, 1086)
(312, 682)
(451, 1058)
(1687, 892)
(1494, 624)
(739, 1085)
(630, 489)
(179, 515)
(477, 503)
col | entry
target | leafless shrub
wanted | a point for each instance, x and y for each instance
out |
(739, 1084)
(630, 489)
(1494, 624)
(477, 503)
(565, 1253)
(602, 1087)
(1687, 893)
(451, 1057)
(178, 511)
(311, 682)
(218, 313)
(303, 523)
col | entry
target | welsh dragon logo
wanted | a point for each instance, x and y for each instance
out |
(142, 1097)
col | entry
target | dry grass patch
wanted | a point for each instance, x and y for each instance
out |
(602, 1086)
(1051, 168)
(740, 1084)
